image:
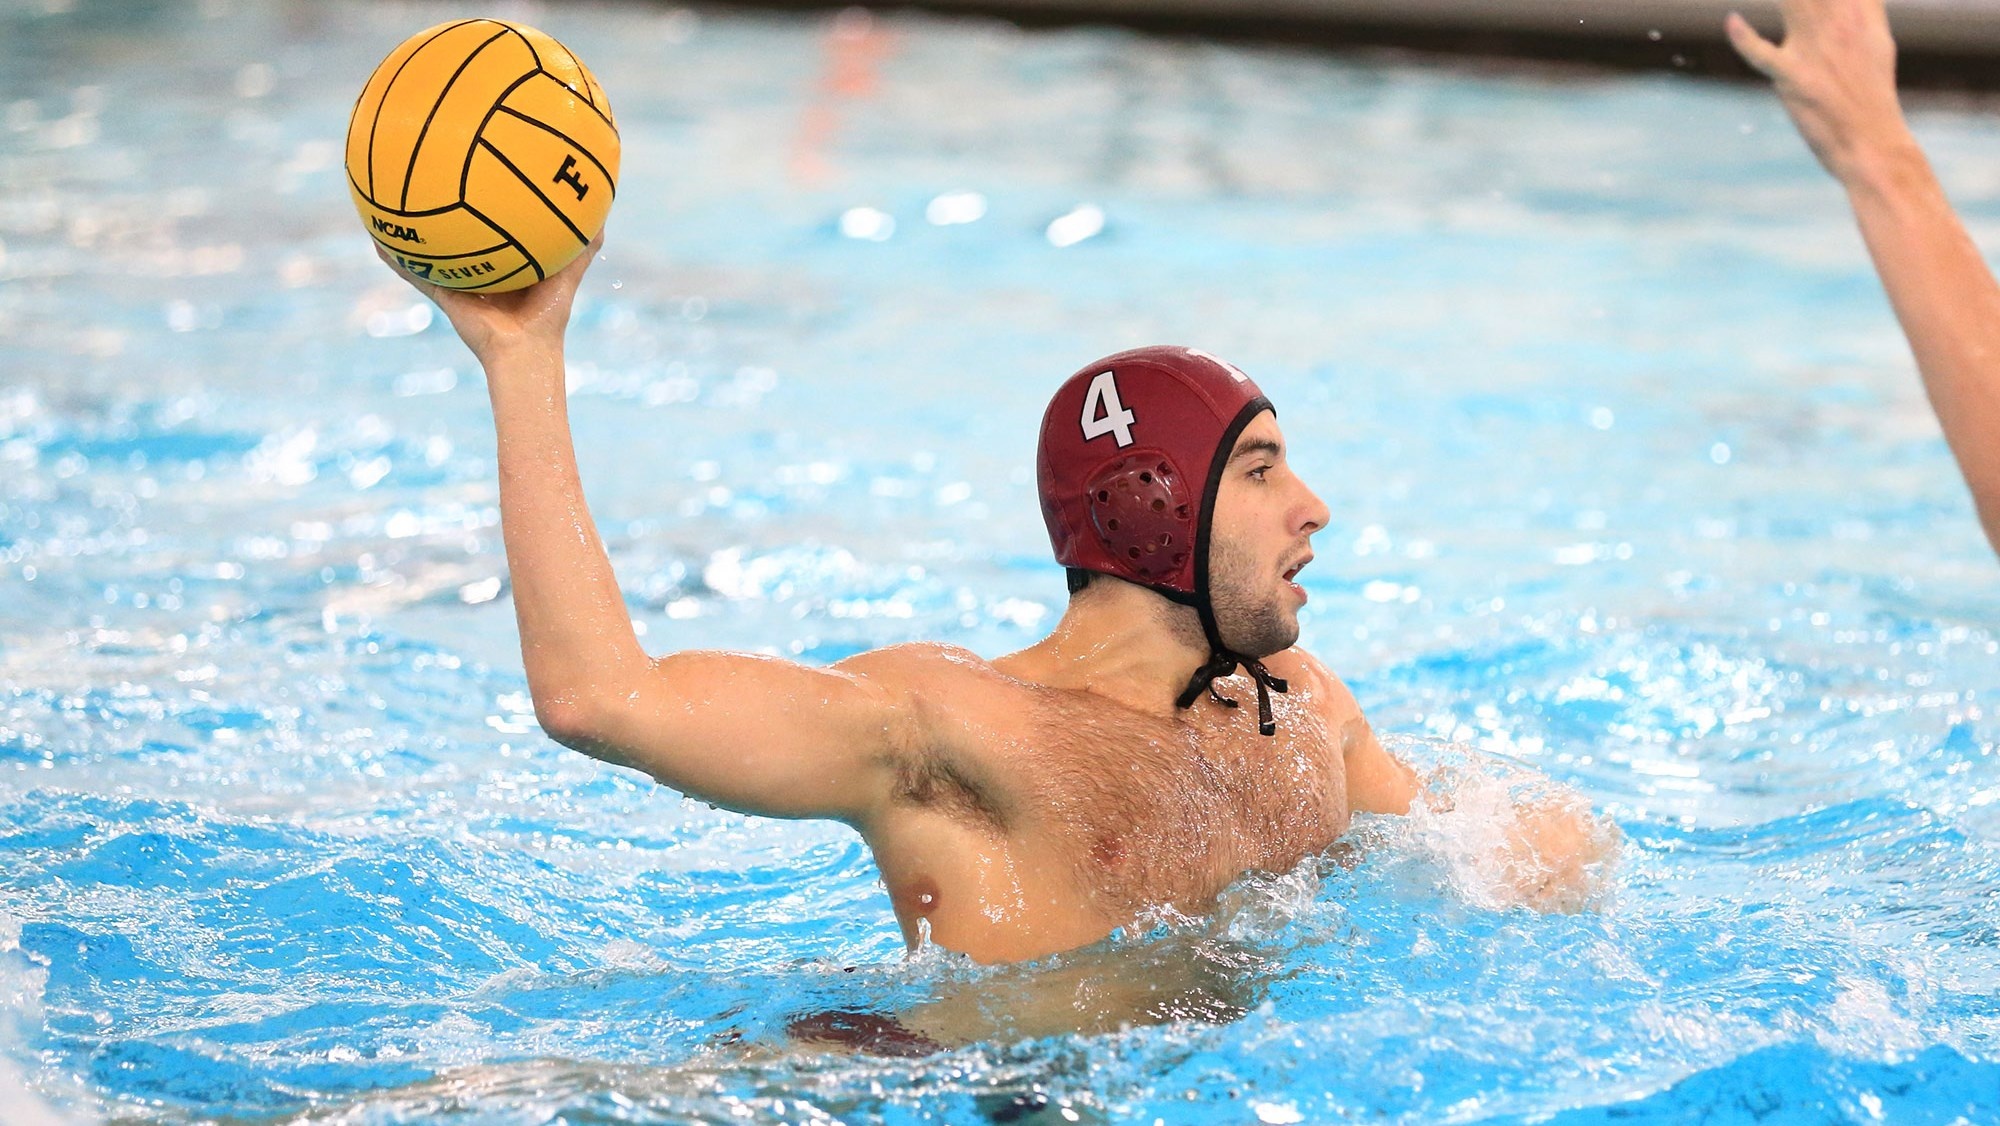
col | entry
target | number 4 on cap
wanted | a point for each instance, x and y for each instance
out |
(1104, 414)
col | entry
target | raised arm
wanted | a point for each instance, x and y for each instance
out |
(1836, 73)
(754, 734)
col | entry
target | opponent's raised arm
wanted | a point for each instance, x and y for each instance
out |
(1836, 73)
(755, 734)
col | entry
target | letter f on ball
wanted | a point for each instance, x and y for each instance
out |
(567, 175)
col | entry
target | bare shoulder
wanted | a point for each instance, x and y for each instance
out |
(1327, 691)
(1347, 729)
(919, 665)
(932, 678)
(1376, 781)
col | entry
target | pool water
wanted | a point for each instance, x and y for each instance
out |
(1631, 475)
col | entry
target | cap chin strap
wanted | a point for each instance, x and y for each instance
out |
(1221, 662)
(1221, 659)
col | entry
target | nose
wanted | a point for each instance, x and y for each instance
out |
(1315, 513)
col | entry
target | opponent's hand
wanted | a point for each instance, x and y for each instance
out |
(1835, 72)
(494, 322)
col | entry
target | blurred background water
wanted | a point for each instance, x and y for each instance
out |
(1631, 480)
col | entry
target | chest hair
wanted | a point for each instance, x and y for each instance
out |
(1149, 810)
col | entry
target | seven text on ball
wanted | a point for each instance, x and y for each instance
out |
(430, 272)
(454, 273)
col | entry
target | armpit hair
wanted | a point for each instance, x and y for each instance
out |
(929, 779)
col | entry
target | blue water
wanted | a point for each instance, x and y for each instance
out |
(1632, 481)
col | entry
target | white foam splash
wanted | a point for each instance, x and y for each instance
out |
(1865, 1020)
(21, 986)
(1503, 835)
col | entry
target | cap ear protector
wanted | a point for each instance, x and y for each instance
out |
(1143, 515)
(1131, 454)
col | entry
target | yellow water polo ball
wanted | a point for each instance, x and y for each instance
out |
(482, 155)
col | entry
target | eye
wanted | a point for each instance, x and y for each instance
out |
(1259, 472)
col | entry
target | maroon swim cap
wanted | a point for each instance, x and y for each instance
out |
(1132, 449)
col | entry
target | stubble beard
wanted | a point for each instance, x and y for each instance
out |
(1250, 621)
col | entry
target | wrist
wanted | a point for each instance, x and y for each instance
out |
(520, 353)
(1884, 161)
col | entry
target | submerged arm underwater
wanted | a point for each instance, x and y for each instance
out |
(1836, 73)
(1538, 844)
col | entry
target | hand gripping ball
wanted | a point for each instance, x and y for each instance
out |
(482, 155)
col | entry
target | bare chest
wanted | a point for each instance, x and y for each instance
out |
(1130, 811)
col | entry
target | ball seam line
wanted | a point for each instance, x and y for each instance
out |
(571, 141)
(384, 99)
(535, 188)
(540, 274)
(418, 148)
(465, 172)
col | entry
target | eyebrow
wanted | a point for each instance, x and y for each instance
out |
(1257, 446)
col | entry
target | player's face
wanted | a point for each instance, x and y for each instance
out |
(1258, 541)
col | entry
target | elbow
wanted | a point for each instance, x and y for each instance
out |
(586, 727)
(565, 718)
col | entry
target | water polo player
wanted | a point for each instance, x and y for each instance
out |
(1165, 739)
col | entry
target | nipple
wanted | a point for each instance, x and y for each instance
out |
(1108, 851)
(918, 897)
